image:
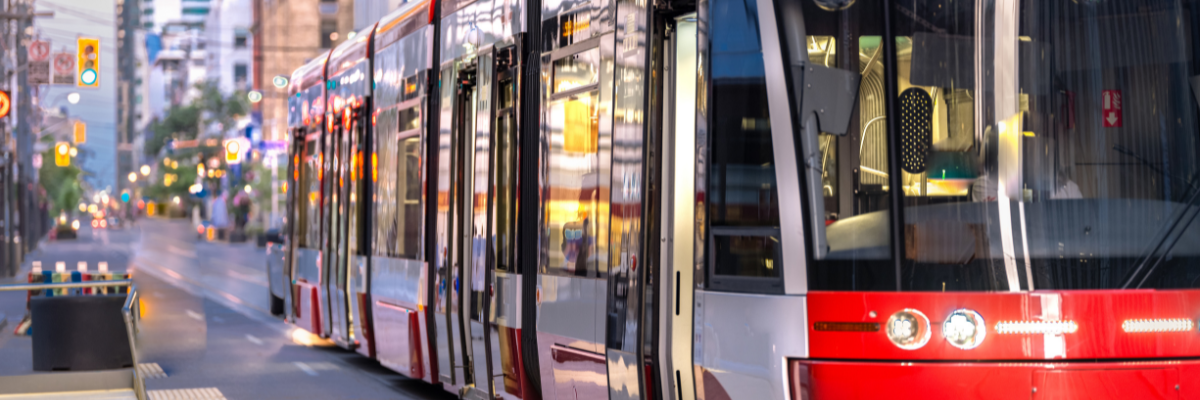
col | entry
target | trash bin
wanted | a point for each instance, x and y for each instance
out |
(79, 333)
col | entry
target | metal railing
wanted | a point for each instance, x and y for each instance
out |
(130, 312)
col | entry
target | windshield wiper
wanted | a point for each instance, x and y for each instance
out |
(1148, 261)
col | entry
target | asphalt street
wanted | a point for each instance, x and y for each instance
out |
(206, 323)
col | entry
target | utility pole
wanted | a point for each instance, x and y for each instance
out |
(17, 182)
(25, 196)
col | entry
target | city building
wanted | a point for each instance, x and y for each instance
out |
(288, 34)
(228, 41)
(130, 58)
(157, 14)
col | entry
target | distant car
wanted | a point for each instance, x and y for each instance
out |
(64, 231)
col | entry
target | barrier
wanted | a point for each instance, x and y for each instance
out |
(129, 311)
(60, 275)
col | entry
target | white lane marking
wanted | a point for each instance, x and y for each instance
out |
(182, 252)
(150, 371)
(208, 393)
(195, 315)
(304, 367)
(253, 339)
(257, 280)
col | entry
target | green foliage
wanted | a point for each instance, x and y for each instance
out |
(185, 177)
(184, 122)
(180, 123)
(62, 184)
(220, 108)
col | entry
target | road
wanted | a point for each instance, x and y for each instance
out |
(206, 322)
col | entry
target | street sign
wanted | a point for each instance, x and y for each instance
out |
(1112, 109)
(39, 62)
(64, 69)
(39, 50)
(5, 103)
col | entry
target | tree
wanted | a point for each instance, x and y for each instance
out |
(184, 122)
(180, 123)
(62, 184)
(219, 108)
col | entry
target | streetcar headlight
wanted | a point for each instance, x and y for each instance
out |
(964, 329)
(908, 329)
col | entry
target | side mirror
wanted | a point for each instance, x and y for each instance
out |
(826, 105)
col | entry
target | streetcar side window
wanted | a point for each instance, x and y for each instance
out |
(309, 233)
(743, 209)
(573, 245)
(398, 182)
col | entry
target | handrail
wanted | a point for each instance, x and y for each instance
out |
(16, 287)
(128, 312)
(139, 386)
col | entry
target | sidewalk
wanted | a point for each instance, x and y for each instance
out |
(92, 247)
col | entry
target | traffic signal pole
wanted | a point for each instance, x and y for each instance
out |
(17, 181)
(25, 239)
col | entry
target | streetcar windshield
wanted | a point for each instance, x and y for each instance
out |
(1040, 145)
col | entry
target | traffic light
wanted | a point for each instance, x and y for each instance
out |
(233, 151)
(125, 196)
(62, 156)
(89, 62)
(80, 132)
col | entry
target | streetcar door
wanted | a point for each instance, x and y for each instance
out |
(503, 273)
(677, 200)
(344, 195)
(332, 222)
(455, 222)
(476, 276)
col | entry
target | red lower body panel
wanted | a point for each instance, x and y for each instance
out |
(1165, 379)
(512, 361)
(569, 373)
(308, 309)
(366, 335)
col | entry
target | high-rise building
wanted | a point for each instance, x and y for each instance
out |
(287, 35)
(157, 14)
(130, 40)
(227, 35)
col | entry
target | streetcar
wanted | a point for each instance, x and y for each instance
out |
(755, 199)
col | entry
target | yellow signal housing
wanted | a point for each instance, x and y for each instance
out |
(233, 151)
(89, 62)
(62, 156)
(80, 132)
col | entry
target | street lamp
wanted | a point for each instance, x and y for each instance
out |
(132, 177)
(145, 170)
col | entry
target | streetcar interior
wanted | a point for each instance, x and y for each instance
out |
(1071, 169)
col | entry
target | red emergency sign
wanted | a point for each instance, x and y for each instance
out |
(1112, 109)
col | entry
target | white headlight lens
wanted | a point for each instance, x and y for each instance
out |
(964, 329)
(908, 329)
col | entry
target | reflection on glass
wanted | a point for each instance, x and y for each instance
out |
(397, 182)
(571, 205)
(310, 187)
(504, 181)
(577, 70)
(747, 256)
